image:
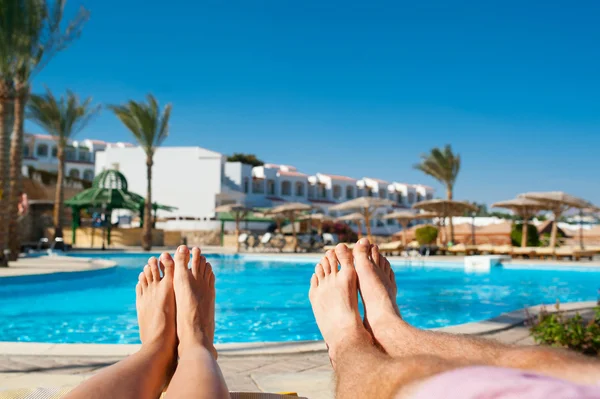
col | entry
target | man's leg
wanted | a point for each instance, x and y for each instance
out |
(198, 375)
(362, 371)
(399, 339)
(144, 374)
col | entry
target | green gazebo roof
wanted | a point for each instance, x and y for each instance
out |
(109, 191)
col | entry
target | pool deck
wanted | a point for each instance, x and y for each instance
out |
(271, 367)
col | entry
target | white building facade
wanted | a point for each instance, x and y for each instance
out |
(40, 151)
(196, 180)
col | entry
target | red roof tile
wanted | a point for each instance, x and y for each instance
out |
(337, 177)
(284, 173)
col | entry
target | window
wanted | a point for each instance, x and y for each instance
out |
(419, 197)
(54, 151)
(349, 192)
(429, 196)
(399, 199)
(391, 196)
(258, 186)
(42, 150)
(26, 151)
(74, 173)
(369, 192)
(382, 193)
(390, 222)
(411, 198)
(88, 174)
(246, 185)
(70, 154)
(337, 192)
(322, 191)
(286, 188)
(84, 155)
(311, 191)
(299, 189)
(271, 187)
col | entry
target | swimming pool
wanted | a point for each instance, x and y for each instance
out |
(265, 299)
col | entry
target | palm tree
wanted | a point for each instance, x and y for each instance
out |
(38, 26)
(150, 128)
(443, 165)
(63, 119)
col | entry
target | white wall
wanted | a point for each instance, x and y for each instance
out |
(185, 177)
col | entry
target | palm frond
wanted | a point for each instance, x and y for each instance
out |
(63, 118)
(441, 164)
(145, 122)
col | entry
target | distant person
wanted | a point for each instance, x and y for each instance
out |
(381, 356)
(23, 205)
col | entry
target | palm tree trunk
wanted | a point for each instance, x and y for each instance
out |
(368, 224)
(4, 155)
(147, 232)
(449, 195)
(59, 195)
(16, 184)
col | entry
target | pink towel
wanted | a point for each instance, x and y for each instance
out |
(501, 383)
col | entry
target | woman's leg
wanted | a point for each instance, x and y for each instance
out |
(145, 373)
(198, 375)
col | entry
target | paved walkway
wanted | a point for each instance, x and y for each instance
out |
(53, 264)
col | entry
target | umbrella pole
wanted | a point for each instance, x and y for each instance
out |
(525, 231)
(359, 233)
(404, 225)
(368, 224)
(581, 228)
(557, 214)
(292, 219)
(237, 232)
(320, 230)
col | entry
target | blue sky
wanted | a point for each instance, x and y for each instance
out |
(358, 88)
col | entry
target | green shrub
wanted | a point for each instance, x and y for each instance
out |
(426, 235)
(533, 237)
(558, 330)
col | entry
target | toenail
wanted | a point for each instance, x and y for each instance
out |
(182, 249)
(363, 241)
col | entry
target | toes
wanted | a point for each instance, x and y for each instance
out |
(196, 259)
(182, 257)
(208, 271)
(167, 264)
(142, 280)
(326, 265)
(344, 255)
(376, 255)
(361, 253)
(333, 261)
(320, 272)
(153, 263)
(314, 282)
(148, 274)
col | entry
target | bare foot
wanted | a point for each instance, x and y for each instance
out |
(334, 299)
(155, 304)
(378, 290)
(195, 298)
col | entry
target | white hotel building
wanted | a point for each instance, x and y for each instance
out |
(196, 180)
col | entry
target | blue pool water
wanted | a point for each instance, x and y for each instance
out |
(259, 300)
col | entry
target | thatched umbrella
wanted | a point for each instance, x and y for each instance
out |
(320, 217)
(405, 217)
(239, 213)
(355, 217)
(290, 210)
(525, 208)
(365, 205)
(445, 208)
(557, 202)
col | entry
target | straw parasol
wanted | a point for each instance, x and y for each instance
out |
(290, 210)
(365, 205)
(240, 212)
(405, 217)
(320, 217)
(557, 202)
(445, 208)
(525, 208)
(355, 217)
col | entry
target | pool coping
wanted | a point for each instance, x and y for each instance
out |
(497, 324)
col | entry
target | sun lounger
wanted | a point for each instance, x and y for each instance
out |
(574, 253)
(348, 244)
(462, 249)
(56, 393)
(526, 252)
(485, 248)
(502, 250)
(544, 253)
(330, 239)
(389, 248)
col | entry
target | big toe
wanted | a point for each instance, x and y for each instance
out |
(168, 264)
(344, 255)
(182, 258)
(361, 253)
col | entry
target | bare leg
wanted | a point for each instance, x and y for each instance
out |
(198, 375)
(362, 371)
(399, 339)
(144, 374)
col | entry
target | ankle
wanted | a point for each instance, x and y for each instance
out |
(194, 343)
(355, 338)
